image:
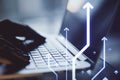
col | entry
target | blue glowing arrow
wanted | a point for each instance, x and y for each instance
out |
(48, 57)
(87, 6)
(66, 32)
(103, 39)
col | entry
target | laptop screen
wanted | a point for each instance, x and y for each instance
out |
(102, 16)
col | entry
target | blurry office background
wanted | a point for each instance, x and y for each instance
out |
(44, 16)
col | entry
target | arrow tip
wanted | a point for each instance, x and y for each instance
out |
(66, 29)
(104, 38)
(88, 5)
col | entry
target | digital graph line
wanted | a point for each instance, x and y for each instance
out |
(66, 35)
(104, 39)
(87, 6)
(48, 57)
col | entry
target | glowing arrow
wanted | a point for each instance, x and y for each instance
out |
(48, 57)
(66, 32)
(87, 6)
(103, 39)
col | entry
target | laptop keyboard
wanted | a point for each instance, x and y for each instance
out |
(52, 56)
(39, 58)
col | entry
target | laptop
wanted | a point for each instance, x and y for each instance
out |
(56, 56)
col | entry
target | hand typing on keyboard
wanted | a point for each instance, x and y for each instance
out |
(22, 36)
(16, 41)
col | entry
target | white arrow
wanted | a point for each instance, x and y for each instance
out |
(87, 6)
(49, 59)
(66, 29)
(103, 39)
(66, 32)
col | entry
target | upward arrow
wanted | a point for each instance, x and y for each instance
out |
(66, 29)
(48, 56)
(66, 34)
(87, 6)
(104, 39)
